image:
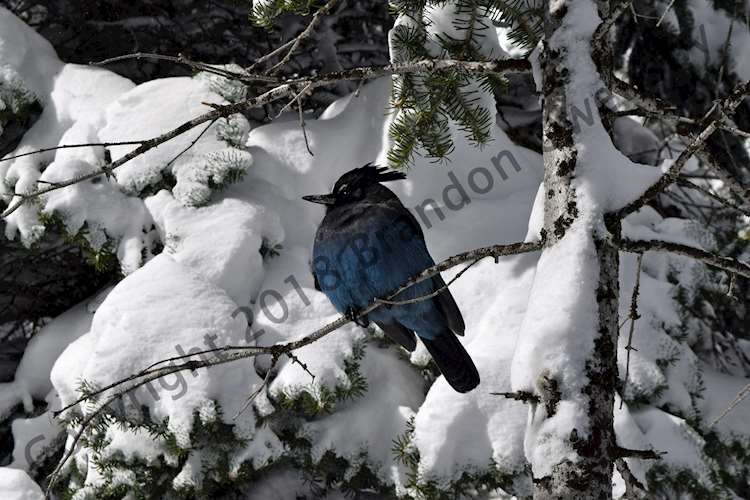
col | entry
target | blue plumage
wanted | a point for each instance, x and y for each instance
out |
(368, 245)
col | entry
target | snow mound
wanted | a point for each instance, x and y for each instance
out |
(17, 485)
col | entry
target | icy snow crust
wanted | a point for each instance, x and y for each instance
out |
(211, 277)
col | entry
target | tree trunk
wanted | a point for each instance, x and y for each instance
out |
(570, 364)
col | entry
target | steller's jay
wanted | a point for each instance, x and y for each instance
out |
(368, 245)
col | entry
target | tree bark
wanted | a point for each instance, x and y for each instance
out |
(587, 472)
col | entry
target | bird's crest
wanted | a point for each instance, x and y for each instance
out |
(367, 175)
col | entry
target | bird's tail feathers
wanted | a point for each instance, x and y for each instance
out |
(453, 361)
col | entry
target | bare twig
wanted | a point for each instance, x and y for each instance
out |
(737, 189)
(620, 452)
(296, 360)
(686, 183)
(714, 119)
(633, 318)
(317, 18)
(53, 477)
(302, 125)
(634, 95)
(523, 396)
(737, 400)
(67, 146)
(263, 385)
(665, 115)
(192, 143)
(305, 90)
(634, 489)
(664, 14)
(429, 295)
(180, 59)
(726, 263)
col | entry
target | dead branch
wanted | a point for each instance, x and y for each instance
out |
(666, 115)
(726, 263)
(714, 119)
(620, 452)
(634, 489)
(691, 185)
(737, 400)
(633, 316)
(523, 396)
(67, 146)
(317, 18)
(246, 77)
(429, 295)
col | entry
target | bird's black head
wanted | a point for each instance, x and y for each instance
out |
(355, 184)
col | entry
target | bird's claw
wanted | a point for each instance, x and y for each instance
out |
(351, 315)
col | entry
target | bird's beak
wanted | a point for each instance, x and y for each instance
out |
(323, 199)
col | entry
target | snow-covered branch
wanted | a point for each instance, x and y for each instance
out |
(228, 354)
(290, 88)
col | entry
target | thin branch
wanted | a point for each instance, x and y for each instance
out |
(726, 263)
(632, 484)
(633, 318)
(305, 90)
(317, 18)
(180, 59)
(633, 94)
(296, 360)
(523, 396)
(428, 296)
(66, 146)
(620, 452)
(737, 189)
(303, 126)
(665, 115)
(688, 184)
(85, 423)
(260, 388)
(664, 14)
(192, 143)
(737, 400)
(717, 115)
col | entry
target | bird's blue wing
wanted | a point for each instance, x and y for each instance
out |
(376, 255)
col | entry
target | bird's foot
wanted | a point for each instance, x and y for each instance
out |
(351, 315)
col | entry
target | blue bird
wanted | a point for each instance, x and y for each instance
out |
(368, 245)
